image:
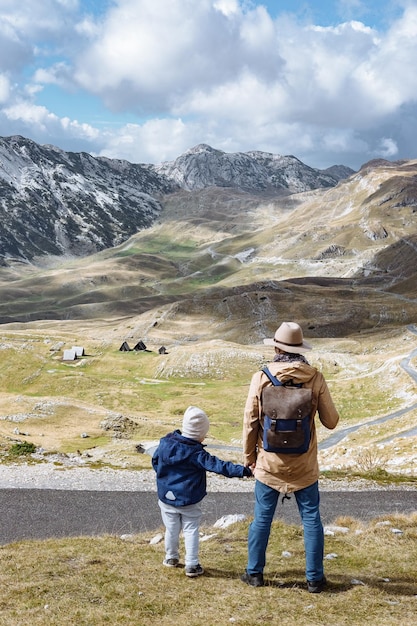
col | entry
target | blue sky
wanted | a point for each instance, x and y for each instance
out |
(145, 80)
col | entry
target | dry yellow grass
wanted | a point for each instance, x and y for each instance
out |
(52, 403)
(111, 580)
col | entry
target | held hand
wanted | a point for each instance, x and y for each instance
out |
(251, 467)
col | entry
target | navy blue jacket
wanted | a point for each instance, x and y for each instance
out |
(181, 464)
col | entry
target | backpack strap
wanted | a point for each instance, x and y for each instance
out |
(271, 377)
(276, 382)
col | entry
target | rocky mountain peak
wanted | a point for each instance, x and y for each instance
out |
(203, 148)
(253, 171)
(56, 202)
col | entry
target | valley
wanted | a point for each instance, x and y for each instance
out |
(218, 271)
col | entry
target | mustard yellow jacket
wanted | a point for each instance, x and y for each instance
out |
(286, 472)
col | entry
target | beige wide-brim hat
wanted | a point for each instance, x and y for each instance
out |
(289, 337)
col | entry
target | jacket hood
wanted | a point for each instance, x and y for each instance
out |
(297, 371)
(174, 448)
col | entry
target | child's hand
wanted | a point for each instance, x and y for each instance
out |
(251, 468)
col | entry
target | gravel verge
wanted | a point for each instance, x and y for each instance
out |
(48, 476)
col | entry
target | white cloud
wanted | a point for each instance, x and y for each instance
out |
(32, 18)
(150, 54)
(227, 7)
(4, 88)
(387, 148)
(40, 120)
(30, 114)
(147, 143)
(212, 71)
(390, 69)
(191, 59)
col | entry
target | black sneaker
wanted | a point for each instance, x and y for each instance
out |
(316, 586)
(193, 571)
(254, 580)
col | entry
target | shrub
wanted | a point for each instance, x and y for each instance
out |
(23, 448)
(371, 459)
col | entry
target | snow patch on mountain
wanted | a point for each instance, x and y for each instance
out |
(203, 166)
(63, 203)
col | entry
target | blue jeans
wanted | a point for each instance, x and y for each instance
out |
(308, 501)
(187, 519)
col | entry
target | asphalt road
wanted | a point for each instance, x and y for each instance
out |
(46, 513)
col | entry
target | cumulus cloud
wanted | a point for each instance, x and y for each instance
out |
(387, 148)
(223, 72)
(150, 55)
(41, 120)
(151, 138)
(4, 88)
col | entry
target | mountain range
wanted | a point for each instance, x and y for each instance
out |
(204, 256)
(55, 202)
(227, 243)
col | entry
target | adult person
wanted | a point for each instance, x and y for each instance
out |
(278, 473)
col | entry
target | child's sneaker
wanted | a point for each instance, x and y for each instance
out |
(171, 562)
(194, 570)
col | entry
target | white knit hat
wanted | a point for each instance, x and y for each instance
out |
(195, 424)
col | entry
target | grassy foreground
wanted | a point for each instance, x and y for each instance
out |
(372, 576)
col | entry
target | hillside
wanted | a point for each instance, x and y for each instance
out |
(63, 203)
(53, 202)
(349, 251)
(214, 275)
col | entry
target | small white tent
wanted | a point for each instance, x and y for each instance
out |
(79, 350)
(69, 355)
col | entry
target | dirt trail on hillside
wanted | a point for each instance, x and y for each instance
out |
(337, 437)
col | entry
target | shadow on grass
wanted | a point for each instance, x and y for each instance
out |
(295, 579)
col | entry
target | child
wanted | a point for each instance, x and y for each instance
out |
(181, 462)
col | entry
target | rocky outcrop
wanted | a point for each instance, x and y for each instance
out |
(54, 202)
(63, 203)
(254, 171)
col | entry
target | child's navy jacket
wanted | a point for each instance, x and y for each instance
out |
(181, 464)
